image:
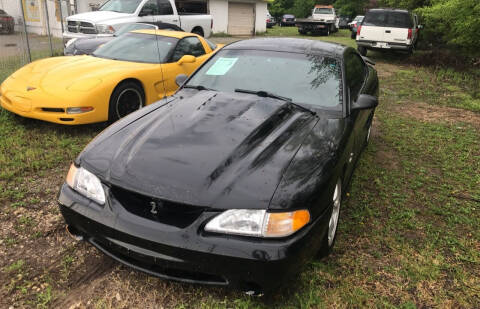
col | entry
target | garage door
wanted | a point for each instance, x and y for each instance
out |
(241, 18)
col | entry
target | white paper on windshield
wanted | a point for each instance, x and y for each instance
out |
(221, 66)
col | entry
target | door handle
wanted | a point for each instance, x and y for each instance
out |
(175, 20)
(388, 31)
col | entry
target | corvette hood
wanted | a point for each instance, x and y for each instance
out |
(55, 75)
(205, 148)
(98, 16)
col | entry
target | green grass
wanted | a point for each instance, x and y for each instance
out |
(342, 36)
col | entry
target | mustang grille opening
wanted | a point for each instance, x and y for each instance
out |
(166, 212)
(148, 264)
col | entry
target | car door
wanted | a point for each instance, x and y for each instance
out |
(186, 46)
(148, 11)
(356, 72)
(166, 13)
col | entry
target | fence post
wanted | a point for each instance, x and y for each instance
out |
(48, 27)
(61, 14)
(25, 31)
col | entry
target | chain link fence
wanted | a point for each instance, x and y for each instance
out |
(30, 30)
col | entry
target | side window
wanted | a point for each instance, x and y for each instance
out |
(188, 46)
(355, 74)
(165, 7)
(150, 8)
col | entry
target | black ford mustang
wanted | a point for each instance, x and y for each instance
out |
(238, 178)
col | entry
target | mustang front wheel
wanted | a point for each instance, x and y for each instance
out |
(126, 98)
(329, 239)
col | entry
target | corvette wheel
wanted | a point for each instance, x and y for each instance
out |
(127, 98)
(329, 239)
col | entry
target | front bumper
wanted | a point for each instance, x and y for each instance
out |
(384, 45)
(189, 254)
(24, 108)
(45, 107)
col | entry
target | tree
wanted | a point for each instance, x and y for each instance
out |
(303, 8)
(351, 8)
(403, 4)
(454, 23)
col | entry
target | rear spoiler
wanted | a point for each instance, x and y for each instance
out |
(367, 60)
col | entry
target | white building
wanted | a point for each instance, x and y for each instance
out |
(239, 17)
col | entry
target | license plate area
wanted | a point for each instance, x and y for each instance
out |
(382, 45)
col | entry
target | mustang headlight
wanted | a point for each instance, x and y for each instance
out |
(105, 29)
(258, 223)
(84, 182)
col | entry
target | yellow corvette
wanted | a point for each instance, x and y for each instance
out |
(132, 71)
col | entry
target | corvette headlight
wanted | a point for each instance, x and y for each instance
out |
(85, 183)
(258, 223)
(105, 29)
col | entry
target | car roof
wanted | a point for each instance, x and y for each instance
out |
(301, 46)
(173, 34)
(388, 9)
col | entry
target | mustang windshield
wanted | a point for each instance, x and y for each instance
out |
(121, 6)
(138, 47)
(306, 79)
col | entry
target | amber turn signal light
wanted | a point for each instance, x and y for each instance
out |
(285, 223)
(70, 180)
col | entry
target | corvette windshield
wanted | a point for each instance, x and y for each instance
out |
(121, 6)
(306, 79)
(138, 47)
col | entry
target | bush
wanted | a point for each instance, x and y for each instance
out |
(453, 23)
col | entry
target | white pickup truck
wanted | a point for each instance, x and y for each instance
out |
(115, 13)
(323, 20)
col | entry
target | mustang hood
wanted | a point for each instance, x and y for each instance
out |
(205, 148)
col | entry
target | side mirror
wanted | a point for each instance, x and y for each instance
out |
(145, 12)
(187, 59)
(180, 79)
(365, 101)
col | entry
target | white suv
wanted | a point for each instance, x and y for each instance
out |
(385, 29)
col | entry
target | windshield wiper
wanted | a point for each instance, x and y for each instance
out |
(198, 87)
(266, 94)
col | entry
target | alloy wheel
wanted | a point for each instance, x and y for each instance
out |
(333, 223)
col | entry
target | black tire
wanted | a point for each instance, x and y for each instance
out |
(127, 97)
(328, 241)
(198, 30)
(411, 50)
(353, 36)
(302, 31)
(362, 50)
